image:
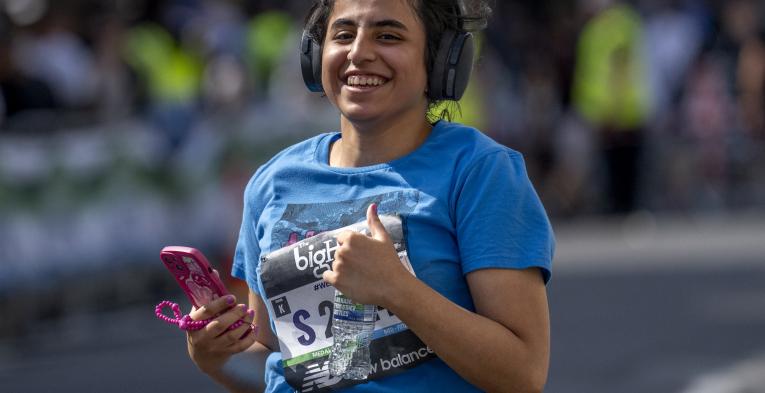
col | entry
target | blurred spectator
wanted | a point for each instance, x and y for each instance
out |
(744, 24)
(2, 110)
(751, 83)
(51, 51)
(708, 118)
(225, 84)
(610, 93)
(171, 74)
(267, 33)
(674, 34)
(18, 92)
(4, 32)
(221, 29)
(114, 80)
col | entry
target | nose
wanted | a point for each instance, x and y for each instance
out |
(362, 50)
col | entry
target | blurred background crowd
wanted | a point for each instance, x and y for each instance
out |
(127, 125)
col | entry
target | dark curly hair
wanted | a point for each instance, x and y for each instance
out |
(436, 15)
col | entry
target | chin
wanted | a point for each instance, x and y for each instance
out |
(361, 118)
(356, 113)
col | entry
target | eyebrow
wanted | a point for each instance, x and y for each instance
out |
(381, 23)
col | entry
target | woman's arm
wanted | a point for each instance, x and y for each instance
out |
(502, 347)
(238, 366)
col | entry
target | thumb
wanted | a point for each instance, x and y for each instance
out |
(329, 276)
(376, 227)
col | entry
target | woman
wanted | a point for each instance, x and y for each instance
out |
(478, 239)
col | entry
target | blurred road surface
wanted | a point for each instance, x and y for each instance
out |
(637, 305)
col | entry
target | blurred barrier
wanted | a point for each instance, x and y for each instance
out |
(92, 198)
(84, 211)
(84, 199)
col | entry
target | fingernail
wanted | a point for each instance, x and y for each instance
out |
(251, 313)
(243, 307)
(230, 300)
(374, 208)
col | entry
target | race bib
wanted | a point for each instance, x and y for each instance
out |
(301, 304)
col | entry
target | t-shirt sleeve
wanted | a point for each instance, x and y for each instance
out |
(247, 253)
(500, 220)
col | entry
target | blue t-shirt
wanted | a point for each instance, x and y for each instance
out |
(466, 201)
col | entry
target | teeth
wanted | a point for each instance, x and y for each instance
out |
(356, 80)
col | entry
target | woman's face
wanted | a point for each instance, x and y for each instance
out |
(373, 60)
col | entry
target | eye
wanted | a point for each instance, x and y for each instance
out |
(343, 36)
(389, 37)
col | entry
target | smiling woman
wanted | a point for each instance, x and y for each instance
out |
(471, 312)
(365, 42)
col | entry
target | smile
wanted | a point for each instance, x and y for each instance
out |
(365, 82)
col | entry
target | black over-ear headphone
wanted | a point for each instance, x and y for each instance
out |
(451, 66)
(310, 62)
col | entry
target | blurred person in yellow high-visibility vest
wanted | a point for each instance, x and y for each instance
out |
(610, 93)
(267, 35)
(172, 77)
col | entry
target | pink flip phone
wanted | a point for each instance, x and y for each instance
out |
(193, 273)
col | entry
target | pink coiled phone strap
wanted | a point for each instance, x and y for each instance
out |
(185, 322)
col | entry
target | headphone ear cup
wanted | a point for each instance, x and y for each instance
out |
(452, 66)
(310, 63)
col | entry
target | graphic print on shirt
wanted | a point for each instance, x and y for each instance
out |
(302, 303)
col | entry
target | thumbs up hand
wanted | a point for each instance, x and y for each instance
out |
(376, 227)
(366, 267)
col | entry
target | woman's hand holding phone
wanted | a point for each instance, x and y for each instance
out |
(229, 330)
(211, 346)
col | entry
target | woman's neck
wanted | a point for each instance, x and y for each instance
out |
(368, 143)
